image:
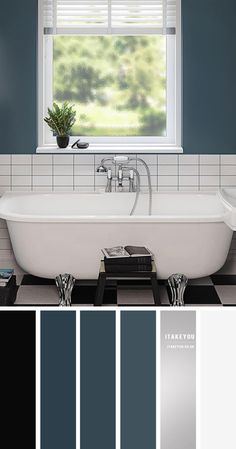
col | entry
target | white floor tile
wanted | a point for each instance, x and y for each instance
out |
(37, 295)
(201, 281)
(227, 293)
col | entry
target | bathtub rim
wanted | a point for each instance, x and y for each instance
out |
(111, 218)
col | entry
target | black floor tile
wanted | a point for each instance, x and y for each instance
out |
(223, 279)
(86, 295)
(29, 279)
(200, 294)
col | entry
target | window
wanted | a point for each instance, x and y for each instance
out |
(118, 62)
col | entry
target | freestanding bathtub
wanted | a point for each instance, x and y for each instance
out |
(56, 233)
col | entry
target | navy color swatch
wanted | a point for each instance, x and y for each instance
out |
(138, 380)
(58, 380)
(97, 376)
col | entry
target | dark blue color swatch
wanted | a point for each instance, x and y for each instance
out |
(58, 380)
(97, 375)
(138, 380)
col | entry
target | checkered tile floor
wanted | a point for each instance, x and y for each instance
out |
(216, 290)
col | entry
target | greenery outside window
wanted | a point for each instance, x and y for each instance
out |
(118, 62)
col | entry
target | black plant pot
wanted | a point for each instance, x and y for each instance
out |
(63, 141)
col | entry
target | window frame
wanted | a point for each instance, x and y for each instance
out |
(169, 143)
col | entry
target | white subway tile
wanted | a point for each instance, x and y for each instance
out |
(42, 159)
(164, 189)
(84, 170)
(209, 180)
(5, 170)
(21, 159)
(5, 180)
(22, 188)
(6, 253)
(144, 181)
(3, 224)
(99, 157)
(88, 159)
(228, 181)
(167, 170)
(190, 159)
(149, 159)
(5, 159)
(37, 188)
(142, 169)
(42, 181)
(188, 189)
(85, 189)
(21, 180)
(21, 170)
(5, 244)
(4, 189)
(63, 189)
(166, 159)
(61, 159)
(85, 181)
(167, 180)
(188, 170)
(188, 181)
(44, 170)
(209, 170)
(59, 170)
(209, 159)
(63, 181)
(208, 188)
(4, 233)
(228, 170)
(228, 159)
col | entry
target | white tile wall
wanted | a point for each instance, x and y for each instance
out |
(78, 172)
(198, 172)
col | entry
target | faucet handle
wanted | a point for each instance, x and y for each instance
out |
(109, 173)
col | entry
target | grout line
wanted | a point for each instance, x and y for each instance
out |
(178, 185)
(220, 172)
(11, 172)
(199, 179)
(53, 172)
(32, 183)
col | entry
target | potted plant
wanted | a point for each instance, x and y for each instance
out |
(60, 120)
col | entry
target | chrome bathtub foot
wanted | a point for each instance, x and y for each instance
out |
(65, 284)
(177, 284)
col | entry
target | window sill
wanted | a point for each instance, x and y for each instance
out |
(111, 148)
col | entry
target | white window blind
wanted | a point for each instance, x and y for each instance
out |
(109, 16)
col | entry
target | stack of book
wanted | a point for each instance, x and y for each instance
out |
(122, 259)
(5, 276)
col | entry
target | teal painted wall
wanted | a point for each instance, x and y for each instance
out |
(209, 76)
(18, 54)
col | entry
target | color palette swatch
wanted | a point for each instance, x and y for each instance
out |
(107, 379)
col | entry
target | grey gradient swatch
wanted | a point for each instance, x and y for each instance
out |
(138, 380)
(58, 380)
(97, 380)
(178, 380)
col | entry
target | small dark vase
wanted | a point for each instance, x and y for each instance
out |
(63, 141)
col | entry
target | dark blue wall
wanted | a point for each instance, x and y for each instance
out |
(209, 76)
(18, 53)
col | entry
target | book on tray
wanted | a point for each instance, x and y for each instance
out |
(5, 276)
(127, 258)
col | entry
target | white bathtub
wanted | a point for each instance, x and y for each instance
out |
(57, 233)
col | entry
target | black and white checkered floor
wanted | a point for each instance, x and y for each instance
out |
(216, 290)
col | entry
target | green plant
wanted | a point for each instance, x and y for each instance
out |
(61, 119)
